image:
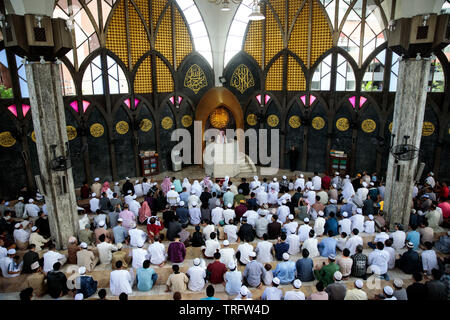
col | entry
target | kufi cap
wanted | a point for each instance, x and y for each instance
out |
(255, 178)
(134, 197)
(283, 201)
(333, 201)
(83, 245)
(101, 223)
(72, 239)
(25, 223)
(306, 220)
(20, 198)
(370, 217)
(388, 290)
(301, 175)
(120, 220)
(116, 183)
(34, 265)
(265, 206)
(119, 246)
(334, 185)
(229, 205)
(231, 265)
(17, 225)
(127, 178)
(398, 283)
(297, 283)
(244, 291)
(226, 242)
(262, 212)
(285, 256)
(338, 275)
(276, 280)
(431, 174)
(93, 194)
(82, 270)
(252, 254)
(284, 177)
(97, 179)
(413, 210)
(371, 183)
(218, 202)
(11, 251)
(172, 187)
(275, 179)
(291, 217)
(364, 184)
(194, 204)
(34, 228)
(410, 245)
(79, 296)
(321, 213)
(129, 192)
(332, 256)
(196, 261)
(347, 176)
(336, 173)
(420, 212)
(181, 203)
(344, 201)
(30, 201)
(359, 284)
(359, 210)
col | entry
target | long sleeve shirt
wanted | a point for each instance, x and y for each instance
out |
(285, 271)
(120, 281)
(176, 252)
(253, 272)
(327, 246)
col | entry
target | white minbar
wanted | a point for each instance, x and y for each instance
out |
(222, 159)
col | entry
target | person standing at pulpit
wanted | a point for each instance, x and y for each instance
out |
(293, 158)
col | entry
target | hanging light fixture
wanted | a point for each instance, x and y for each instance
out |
(256, 8)
(225, 4)
(256, 12)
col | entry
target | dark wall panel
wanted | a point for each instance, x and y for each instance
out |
(444, 170)
(366, 142)
(428, 143)
(294, 136)
(317, 140)
(146, 136)
(342, 138)
(124, 145)
(75, 146)
(165, 134)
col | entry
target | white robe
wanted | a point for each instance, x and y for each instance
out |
(255, 183)
(347, 190)
(283, 212)
(134, 207)
(186, 184)
(120, 281)
(172, 197)
(311, 245)
(272, 197)
(317, 183)
(262, 197)
(138, 190)
(196, 188)
(217, 215)
(300, 182)
(194, 198)
(197, 277)
(286, 197)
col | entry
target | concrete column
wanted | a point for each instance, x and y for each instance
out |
(49, 121)
(408, 119)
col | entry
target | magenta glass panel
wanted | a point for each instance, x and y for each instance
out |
(303, 98)
(25, 109)
(180, 99)
(86, 105)
(136, 102)
(13, 110)
(362, 100)
(311, 99)
(267, 98)
(172, 99)
(352, 101)
(258, 97)
(74, 105)
(128, 103)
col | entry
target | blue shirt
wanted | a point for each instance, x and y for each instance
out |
(145, 279)
(348, 207)
(228, 197)
(210, 298)
(414, 237)
(331, 224)
(183, 214)
(272, 293)
(253, 272)
(120, 233)
(285, 271)
(304, 268)
(327, 246)
(233, 281)
(281, 248)
(184, 196)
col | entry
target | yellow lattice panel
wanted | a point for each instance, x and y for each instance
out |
(183, 40)
(163, 76)
(253, 42)
(274, 40)
(298, 42)
(116, 39)
(294, 5)
(274, 79)
(143, 79)
(164, 37)
(296, 79)
(321, 36)
(157, 8)
(280, 9)
(139, 43)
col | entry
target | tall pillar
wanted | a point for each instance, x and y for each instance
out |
(49, 121)
(409, 111)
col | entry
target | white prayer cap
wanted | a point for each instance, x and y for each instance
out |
(194, 204)
(274, 179)
(413, 210)
(20, 198)
(172, 187)
(431, 174)
(334, 185)
(192, 191)
(371, 183)
(226, 242)
(120, 220)
(11, 251)
(262, 212)
(196, 261)
(338, 275)
(181, 203)
(370, 217)
(273, 210)
(25, 223)
(231, 265)
(398, 283)
(359, 210)
(336, 173)
(344, 201)
(333, 201)
(134, 197)
(306, 220)
(285, 256)
(265, 206)
(321, 213)
(420, 212)
(101, 223)
(34, 228)
(252, 254)
(255, 178)
(34, 265)
(83, 245)
(291, 217)
(79, 296)
(31, 201)
(97, 179)
(93, 194)
(345, 214)
(129, 192)
(276, 280)
(364, 184)
(227, 178)
(229, 205)
(72, 239)
(116, 183)
(244, 291)
(410, 245)
(359, 284)
(301, 175)
(284, 177)
(283, 201)
(347, 176)
(82, 270)
(17, 225)
(297, 283)
(127, 178)
(119, 246)
(388, 290)
(332, 256)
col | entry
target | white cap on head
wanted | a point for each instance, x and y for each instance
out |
(119, 246)
(134, 197)
(30, 201)
(336, 173)
(120, 220)
(276, 280)
(262, 212)
(297, 283)
(79, 296)
(371, 183)
(333, 201)
(116, 183)
(34, 228)
(431, 174)
(370, 217)
(410, 245)
(306, 220)
(181, 203)
(172, 187)
(275, 179)
(72, 239)
(338, 275)
(226, 242)
(301, 175)
(347, 176)
(129, 192)
(25, 223)
(252, 254)
(285, 256)
(196, 261)
(364, 184)
(283, 201)
(83, 245)
(321, 213)
(255, 178)
(97, 179)
(291, 217)
(388, 290)
(20, 198)
(398, 283)
(359, 284)
(194, 204)
(334, 185)
(17, 225)
(284, 177)
(359, 210)
(11, 251)
(127, 178)
(229, 205)
(244, 291)
(82, 270)
(101, 223)
(345, 214)
(93, 194)
(231, 265)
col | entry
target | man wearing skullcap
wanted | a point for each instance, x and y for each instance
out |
(85, 285)
(9, 266)
(21, 236)
(86, 258)
(337, 181)
(357, 293)
(102, 230)
(227, 254)
(336, 290)
(254, 270)
(296, 293)
(326, 273)
(31, 209)
(35, 238)
(378, 261)
(244, 294)
(233, 279)
(51, 257)
(409, 261)
(94, 203)
(285, 271)
(319, 224)
(388, 293)
(72, 249)
(228, 197)
(398, 237)
(196, 275)
(399, 291)
(369, 225)
(273, 292)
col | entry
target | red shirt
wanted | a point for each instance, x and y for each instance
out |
(445, 207)
(326, 182)
(240, 210)
(444, 193)
(217, 270)
(154, 228)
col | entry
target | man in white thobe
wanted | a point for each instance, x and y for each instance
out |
(272, 197)
(262, 197)
(398, 237)
(32, 210)
(172, 196)
(283, 211)
(303, 230)
(94, 203)
(196, 275)
(251, 216)
(157, 252)
(217, 214)
(194, 199)
(134, 206)
(294, 244)
(231, 231)
(138, 256)
(317, 182)
(228, 214)
(275, 185)
(195, 215)
(358, 220)
(137, 237)
(354, 241)
(120, 280)
(319, 224)
(227, 254)
(291, 226)
(363, 192)
(264, 251)
(295, 294)
(345, 225)
(138, 190)
(299, 182)
(255, 183)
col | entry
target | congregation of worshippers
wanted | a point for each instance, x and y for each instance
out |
(302, 237)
